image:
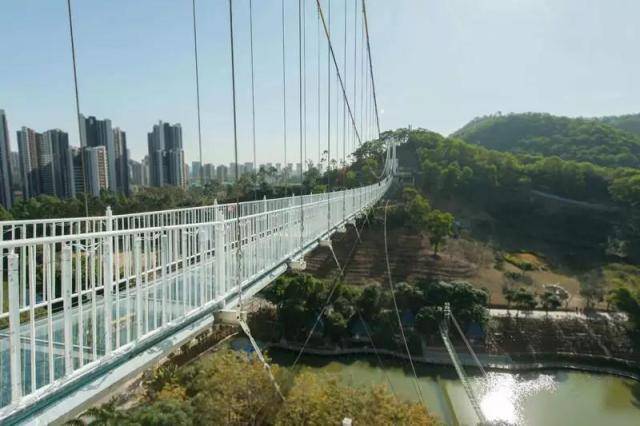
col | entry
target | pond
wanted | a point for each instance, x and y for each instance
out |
(554, 397)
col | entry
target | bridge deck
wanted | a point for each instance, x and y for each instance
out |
(100, 296)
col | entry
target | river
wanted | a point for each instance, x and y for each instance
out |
(555, 397)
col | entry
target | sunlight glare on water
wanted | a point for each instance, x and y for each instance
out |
(502, 395)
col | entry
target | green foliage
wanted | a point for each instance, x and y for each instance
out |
(629, 122)
(550, 301)
(4, 214)
(578, 139)
(427, 320)
(440, 227)
(628, 301)
(370, 302)
(519, 263)
(416, 209)
(524, 299)
(318, 401)
(468, 303)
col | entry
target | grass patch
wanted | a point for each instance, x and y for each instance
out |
(621, 275)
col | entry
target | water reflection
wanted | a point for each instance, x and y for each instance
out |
(502, 395)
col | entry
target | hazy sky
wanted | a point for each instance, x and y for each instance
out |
(437, 64)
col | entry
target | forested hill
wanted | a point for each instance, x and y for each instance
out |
(599, 141)
(629, 122)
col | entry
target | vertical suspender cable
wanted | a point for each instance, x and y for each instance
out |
(355, 55)
(344, 104)
(328, 114)
(253, 98)
(75, 86)
(304, 85)
(235, 156)
(319, 94)
(195, 51)
(284, 100)
(373, 84)
(300, 118)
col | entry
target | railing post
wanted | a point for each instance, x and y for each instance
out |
(107, 281)
(164, 255)
(137, 261)
(67, 306)
(219, 237)
(14, 329)
(202, 246)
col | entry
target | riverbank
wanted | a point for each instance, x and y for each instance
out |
(434, 356)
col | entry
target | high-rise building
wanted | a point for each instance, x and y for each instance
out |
(247, 168)
(45, 163)
(64, 179)
(146, 173)
(28, 141)
(195, 171)
(209, 172)
(121, 161)
(6, 192)
(135, 173)
(16, 177)
(94, 133)
(222, 173)
(97, 169)
(78, 170)
(166, 157)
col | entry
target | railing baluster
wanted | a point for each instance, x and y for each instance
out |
(15, 361)
(67, 306)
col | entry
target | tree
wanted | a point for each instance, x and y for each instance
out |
(4, 214)
(628, 301)
(550, 301)
(509, 295)
(313, 401)
(427, 320)
(440, 227)
(524, 299)
(369, 302)
(230, 387)
(416, 208)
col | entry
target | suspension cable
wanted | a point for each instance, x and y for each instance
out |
(334, 285)
(235, 156)
(468, 345)
(284, 100)
(195, 51)
(319, 93)
(355, 59)
(301, 120)
(373, 84)
(253, 100)
(395, 305)
(375, 351)
(77, 95)
(328, 111)
(344, 108)
(335, 62)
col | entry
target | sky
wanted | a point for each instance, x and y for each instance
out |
(437, 64)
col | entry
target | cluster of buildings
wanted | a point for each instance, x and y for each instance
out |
(46, 163)
(223, 173)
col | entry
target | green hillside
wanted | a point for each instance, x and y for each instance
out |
(629, 122)
(577, 139)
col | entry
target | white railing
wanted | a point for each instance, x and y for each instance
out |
(79, 291)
